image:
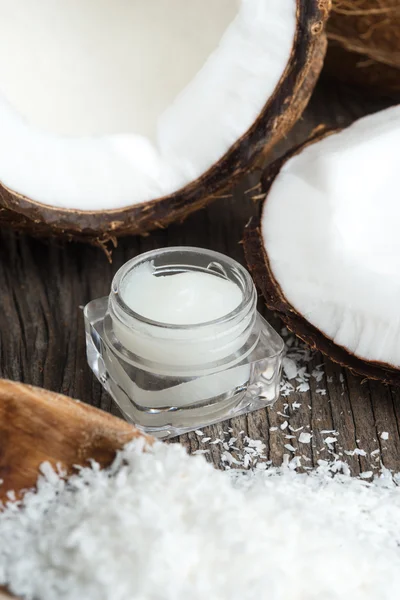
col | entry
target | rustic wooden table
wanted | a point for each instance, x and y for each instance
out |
(43, 287)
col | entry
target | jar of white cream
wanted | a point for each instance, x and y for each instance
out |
(179, 343)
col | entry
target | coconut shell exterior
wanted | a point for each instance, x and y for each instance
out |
(364, 44)
(279, 114)
(259, 265)
(37, 426)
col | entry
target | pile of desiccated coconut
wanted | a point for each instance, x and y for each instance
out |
(160, 525)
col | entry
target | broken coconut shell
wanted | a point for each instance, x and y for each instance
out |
(280, 111)
(364, 44)
(257, 248)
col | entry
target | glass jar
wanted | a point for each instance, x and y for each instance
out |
(171, 379)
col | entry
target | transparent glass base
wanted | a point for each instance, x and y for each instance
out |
(166, 402)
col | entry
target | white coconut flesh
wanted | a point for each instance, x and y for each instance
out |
(104, 104)
(331, 229)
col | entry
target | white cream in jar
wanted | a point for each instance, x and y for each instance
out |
(179, 342)
(182, 319)
(186, 298)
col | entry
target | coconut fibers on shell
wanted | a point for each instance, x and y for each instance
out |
(160, 525)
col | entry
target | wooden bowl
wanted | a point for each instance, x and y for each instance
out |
(37, 426)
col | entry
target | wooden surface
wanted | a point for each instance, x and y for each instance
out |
(43, 287)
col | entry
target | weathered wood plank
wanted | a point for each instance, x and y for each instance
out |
(44, 285)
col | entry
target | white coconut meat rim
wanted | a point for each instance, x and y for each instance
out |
(331, 230)
(108, 104)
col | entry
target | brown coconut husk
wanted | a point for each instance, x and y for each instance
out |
(259, 265)
(364, 47)
(278, 116)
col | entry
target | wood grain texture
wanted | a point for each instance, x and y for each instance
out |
(43, 287)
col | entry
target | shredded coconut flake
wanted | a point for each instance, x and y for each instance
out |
(355, 452)
(325, 431)
(290, 448)
(366, 475)
(284, 415)
(305, 438)
(303, 387)
(295, 430)
(162, 525)
(330, 440)
(289, 368)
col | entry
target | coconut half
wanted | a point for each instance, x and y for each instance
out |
(364, 46)
(119, 117)
(326, 250)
